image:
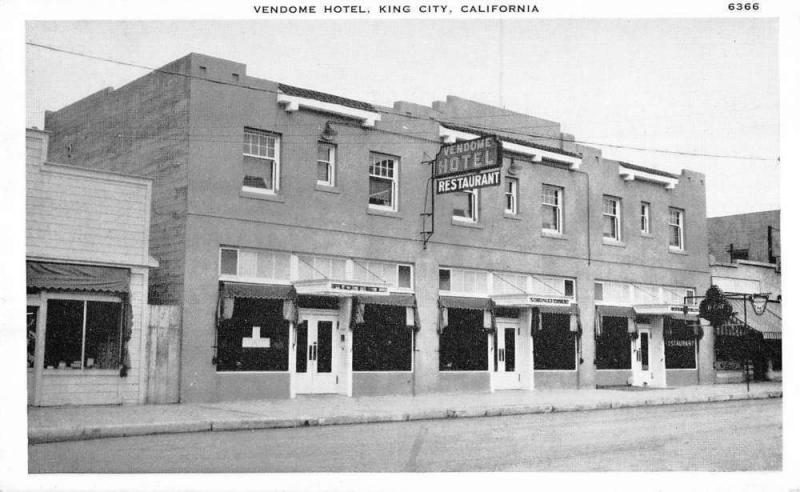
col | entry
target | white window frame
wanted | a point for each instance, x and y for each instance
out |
(276, 165)
(680, 226)
(331, 163)
(474, 202)
(376, 157)
(219, 269)
(616, 216)
(410, 277)
(644, 218)
(85, 299)
(511, 195)
(559, 206)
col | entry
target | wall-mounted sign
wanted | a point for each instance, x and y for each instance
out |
(522, 300)
(468, 165)
(665, 309)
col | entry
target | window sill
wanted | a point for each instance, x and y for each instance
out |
(327, 188)
(553, 235)
(383, 212)
(80, 372)
(260, 195)
(613, 242)
(465, 223)
(508, 215)
(677, 251)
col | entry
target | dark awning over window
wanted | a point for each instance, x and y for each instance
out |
(465, 303)
(62, 276)
(617, 311)
(403, 300)
(566, 309)
(257, 291)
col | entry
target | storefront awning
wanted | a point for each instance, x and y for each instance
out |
(545, 304)
(452, 302)
(768, 323)
(616, 311)
(63, 276)
(257, 291)
(571, 309)
(403, 300)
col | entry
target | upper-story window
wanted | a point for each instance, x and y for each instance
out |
(466, 206)
(552, 209)
(611, 218)
(512, 198)
(644, 218)
(676, 228)
(261, 161)
(383, 175)
(326, 164)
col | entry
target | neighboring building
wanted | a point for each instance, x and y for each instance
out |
(87, 274)
(287, 225)
(746, 261)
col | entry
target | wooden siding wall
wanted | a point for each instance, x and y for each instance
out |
(163, 354)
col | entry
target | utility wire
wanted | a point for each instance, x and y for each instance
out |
(401, 114)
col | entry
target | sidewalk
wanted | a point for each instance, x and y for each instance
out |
(78, 423)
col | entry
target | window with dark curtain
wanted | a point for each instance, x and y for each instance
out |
(64, 333)
(554, 344)
(247, 313)
(383, 341)
(463, 346)
(679, 345)
(613, 345)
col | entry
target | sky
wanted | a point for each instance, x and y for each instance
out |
(697, 86)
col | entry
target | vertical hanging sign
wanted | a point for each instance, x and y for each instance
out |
(468, 165)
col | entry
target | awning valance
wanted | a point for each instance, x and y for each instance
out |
(452, 302)
(257, 291)
(64, 276)
(403, 300)
(616, 311)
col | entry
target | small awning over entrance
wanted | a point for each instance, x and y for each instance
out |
(768, 323)
(403, 300)
(63, 276)
(257, 291)
(452, 302)
(616, 311)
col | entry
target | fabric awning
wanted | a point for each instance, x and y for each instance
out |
(403, 300)
(64, 276)
(571, 309)
(616, 311)
(257, 291)
(768, 323)
(465, 303)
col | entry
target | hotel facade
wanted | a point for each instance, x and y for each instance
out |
(301, 236)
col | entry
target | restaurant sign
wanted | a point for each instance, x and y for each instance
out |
(468, 165)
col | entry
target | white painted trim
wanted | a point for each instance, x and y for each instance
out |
(252, 372)
(629, 174)
(294, 103)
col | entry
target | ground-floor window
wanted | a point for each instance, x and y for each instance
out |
(774, 353)
(383, 341)
(554, 343)
(728, 353)
(82, 334)
(612, 345)
(680, 346)
(33, 313)
(256, 338)
(463, 345)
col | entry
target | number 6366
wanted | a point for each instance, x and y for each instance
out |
(743, 6)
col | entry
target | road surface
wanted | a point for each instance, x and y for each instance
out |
(729, 436)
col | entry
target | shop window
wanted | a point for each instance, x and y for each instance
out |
(612, 345)
(554, 343)
(644, 218)
(728, 353)
(611, 218)
(676, 229)
(326, 164)
(83, 334)
(552, 209)
(464, 345)
(383, 174)
(512, 196)
(404, 280)
(444, 279)
(383, 341)
(33, 313)
(466, 206)
(261, 162)
(680, 347)
(773, 352)
(256, 338)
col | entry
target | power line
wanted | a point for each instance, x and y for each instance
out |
(510, 130)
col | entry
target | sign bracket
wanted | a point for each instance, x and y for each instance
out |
(426, 234)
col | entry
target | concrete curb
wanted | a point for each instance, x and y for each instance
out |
(62, 434)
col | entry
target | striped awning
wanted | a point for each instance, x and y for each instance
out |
(257, 291)
(64, 276)
(768, 323)
(616, 311)
(571, 309)
(452, 302)
(403, 300)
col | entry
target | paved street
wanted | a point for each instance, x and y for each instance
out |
(742, 435)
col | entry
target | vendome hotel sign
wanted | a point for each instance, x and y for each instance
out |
(468, 165)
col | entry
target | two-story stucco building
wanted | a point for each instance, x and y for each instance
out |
(288, 225)
(88, 261)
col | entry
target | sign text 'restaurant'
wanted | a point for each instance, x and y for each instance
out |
(467, 182)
